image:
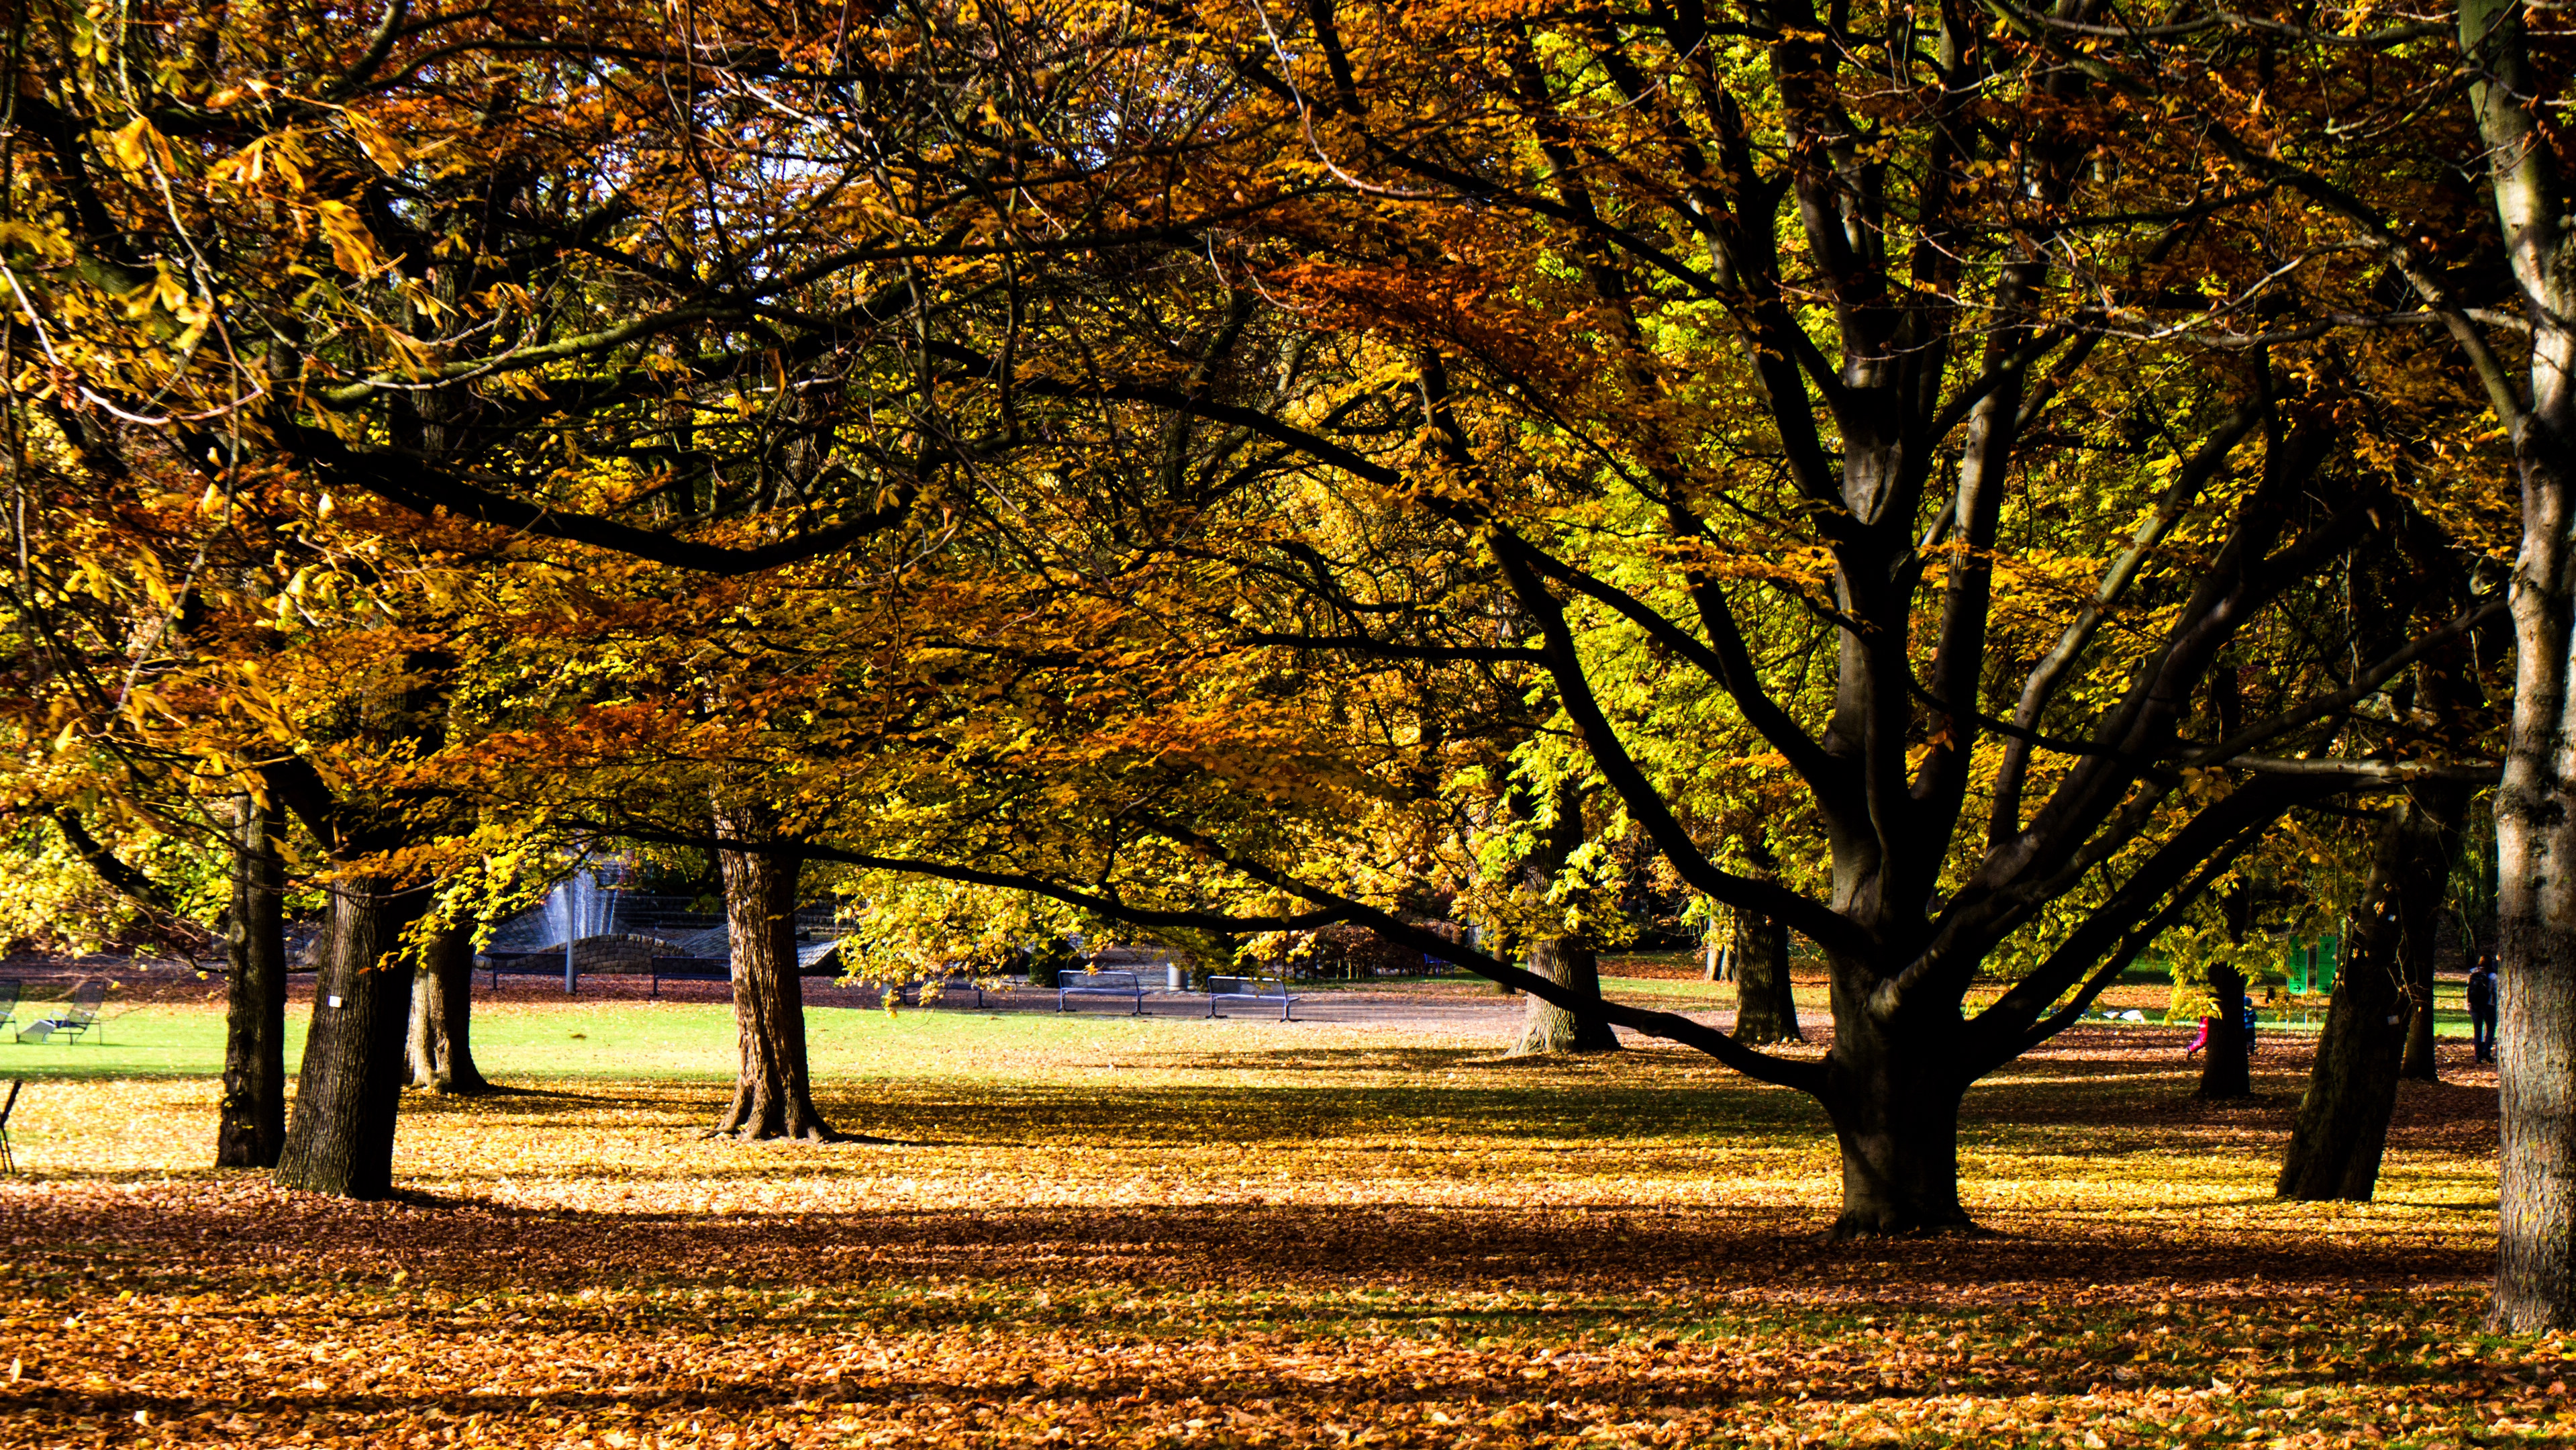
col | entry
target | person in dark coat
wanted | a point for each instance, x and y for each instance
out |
(2482, 1006)
(2250, 1020)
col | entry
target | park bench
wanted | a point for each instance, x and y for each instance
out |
(690, 969)
(1099, 984)
(1264, 990)
(73, 1018)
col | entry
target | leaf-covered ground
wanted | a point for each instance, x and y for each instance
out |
(1166, 1233)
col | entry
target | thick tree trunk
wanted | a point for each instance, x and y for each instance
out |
(2342, 1126)
(1547, 1029)
(250, 1128)
(2535, 808)
(2224, 1070)
(1766, 1010)
(441, 1052)
(1895, 1109)
(342, 1138)
(773, 1094)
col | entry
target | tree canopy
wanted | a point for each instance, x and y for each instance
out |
(1947, 482)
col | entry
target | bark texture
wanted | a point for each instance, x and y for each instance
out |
(2535, 807)
(1765, 1008)
(441, 1050)
(250, 1128)
(1895, 1109)
(773, 1092)
(2224, 1069)
(2342, 1128)
(342, 1138)
(1546, 1029)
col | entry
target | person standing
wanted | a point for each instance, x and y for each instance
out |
(2482, 1005)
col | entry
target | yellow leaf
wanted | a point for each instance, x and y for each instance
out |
(380, 146)
(133, 143)
(352, 248)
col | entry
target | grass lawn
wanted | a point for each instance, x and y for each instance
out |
(1165, 1232)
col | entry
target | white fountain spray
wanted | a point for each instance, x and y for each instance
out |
(577, 909)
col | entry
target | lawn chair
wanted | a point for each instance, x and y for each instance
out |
(73, 1018)
(8, 1159)
(9, 989)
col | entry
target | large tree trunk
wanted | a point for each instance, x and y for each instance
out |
(1547, 1029)
(1894, 1101)
(2224, 1069)
(441, 1052)
(342, 1137)
(2342, 1126)
(1766, 1010)
(2535, 816)
(773, 1095)
(250, 1128)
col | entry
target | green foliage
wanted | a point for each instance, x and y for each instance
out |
(51, 899)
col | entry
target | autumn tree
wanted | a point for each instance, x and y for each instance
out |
(2516, 59)
(534, 275)
(1689, 326)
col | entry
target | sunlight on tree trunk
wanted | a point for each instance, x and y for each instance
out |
(441, 1053)
(2535, 1285)
(773, 1093)
(2342, 1128)
(1547, 1029)
(2420, 1063)
(1766, 1010)
(342, 1138)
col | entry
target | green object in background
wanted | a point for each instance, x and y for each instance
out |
(2311, 966)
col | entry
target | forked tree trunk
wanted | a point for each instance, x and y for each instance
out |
(441, 1051)
(2224, 1070)
(342, 1138)
(773, 1093)
(250, 1127)
(2342, 1127)
(1766, 1009)
(1895, 1108)
(1547, 1029)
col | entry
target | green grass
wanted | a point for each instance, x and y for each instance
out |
(695, 1040)
(656, 1040)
